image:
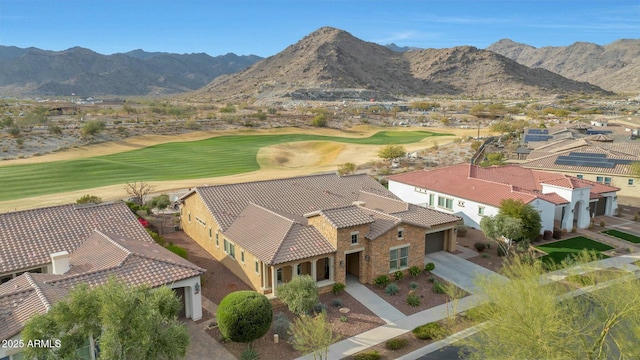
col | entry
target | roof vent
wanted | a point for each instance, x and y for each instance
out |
(60, 262)
(359, 203)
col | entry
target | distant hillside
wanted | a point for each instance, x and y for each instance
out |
(83, 72)
(614, 67)
(331, 64)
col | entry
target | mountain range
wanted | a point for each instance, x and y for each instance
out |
(83, 72)
(328, 64)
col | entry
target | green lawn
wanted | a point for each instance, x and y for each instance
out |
(560, 250)
(623, 235)
(218, 156)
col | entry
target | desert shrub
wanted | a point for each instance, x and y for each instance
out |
(429, 267)
(367, 355)
(396, 344)
(581, 280)
(300, 294)
(338, 288)
(157, 238)
(602, 223)
(244, 316)
(413, 300)
(55, 129)
(414, 271)
(439, 288)
(431, 278)
(398, 275)
(381, 280)
(392, 289)
(319, 307)
(182, 252)
(281, 324)
(160, 202)
(249, 354)
(429, 331)
(462, 230)
(344, 318)
(480, 246)
(336, 302)
(89, 199)
(14, 131)
(413, 285)
(91, 127)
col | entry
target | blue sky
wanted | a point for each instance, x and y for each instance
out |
(264, 27)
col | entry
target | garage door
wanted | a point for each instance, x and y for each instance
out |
(434, 242)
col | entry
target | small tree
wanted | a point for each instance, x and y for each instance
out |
(160, 202)
(300, 294)
(319, 120)
(346, 168)
(244, 316)
(89, 199)
(138, 191)
(390, 152)
(312, 335)
(527, 214)
(503, 229)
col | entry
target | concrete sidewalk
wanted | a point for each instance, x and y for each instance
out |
(372, 301)
(458, 271)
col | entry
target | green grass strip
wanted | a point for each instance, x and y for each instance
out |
(623, 235)
(213, 157)
(560, 250)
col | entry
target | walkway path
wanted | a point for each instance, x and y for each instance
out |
(201, 345)
(457, 271)
(372, 301)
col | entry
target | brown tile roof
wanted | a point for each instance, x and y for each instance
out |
(346, 216)
(28, 237)
(100, 257)
(274, 238)
(296, 196)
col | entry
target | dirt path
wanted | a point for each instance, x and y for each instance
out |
(278, 161)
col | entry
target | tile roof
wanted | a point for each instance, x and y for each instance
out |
(491, 185)
(346, 216)
(268, 217)
(274, 238)
(28, 237)
(296, 196)
(100, 257)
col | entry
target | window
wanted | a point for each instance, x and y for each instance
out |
(400, 233)
(445, 202)
(210, 233)
(599, 179)
(399, 258)
(226, 246)
(630, 182)
(257, 267)
(189, 217)
(580, 176)
(232, 251)
(607, 181)
(242, 256)
(279, 276)
(201, 222)
(481, 210)
(354, 238)
(431, 201)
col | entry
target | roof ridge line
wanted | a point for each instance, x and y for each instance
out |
(386, 198)
(275, 253)
(127, 251)
(195, 267)
(269, 211)
(384, 213)
(38, 291)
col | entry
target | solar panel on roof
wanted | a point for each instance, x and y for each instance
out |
(598, 132)
(590, 160)
(530, 138)
(591, 155)
(538, 131)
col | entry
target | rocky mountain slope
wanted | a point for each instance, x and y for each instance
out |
(331, 64)
(83, 72)
(614, 67)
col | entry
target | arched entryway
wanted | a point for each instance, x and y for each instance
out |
(581, 215)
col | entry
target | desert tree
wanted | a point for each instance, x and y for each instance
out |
(312, 335)
(390, 152)
(346, 168)
(137, 191)
(128, 323)
(531, 221)
(502, 229)
(532, 319)
(300, 294)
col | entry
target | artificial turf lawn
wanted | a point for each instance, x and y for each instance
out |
(560, 250)
(217, 156)
(623, 235)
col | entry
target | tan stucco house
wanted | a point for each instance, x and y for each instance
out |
(326, 226)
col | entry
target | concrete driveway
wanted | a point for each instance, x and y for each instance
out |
(457, 270)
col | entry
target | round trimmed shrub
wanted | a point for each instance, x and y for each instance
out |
(381, 280)
(429, 267)
(367, 355)
(413, 285)
(480, 246)
(396, 344)
(244, 316)
(438, 288)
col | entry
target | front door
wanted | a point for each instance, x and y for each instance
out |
(353, 264)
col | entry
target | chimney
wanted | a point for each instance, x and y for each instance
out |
(60, 262)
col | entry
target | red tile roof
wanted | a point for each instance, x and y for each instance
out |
(491, 185)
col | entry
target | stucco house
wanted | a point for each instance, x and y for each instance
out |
(473, 192)
(47, 251)
(325, 225)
